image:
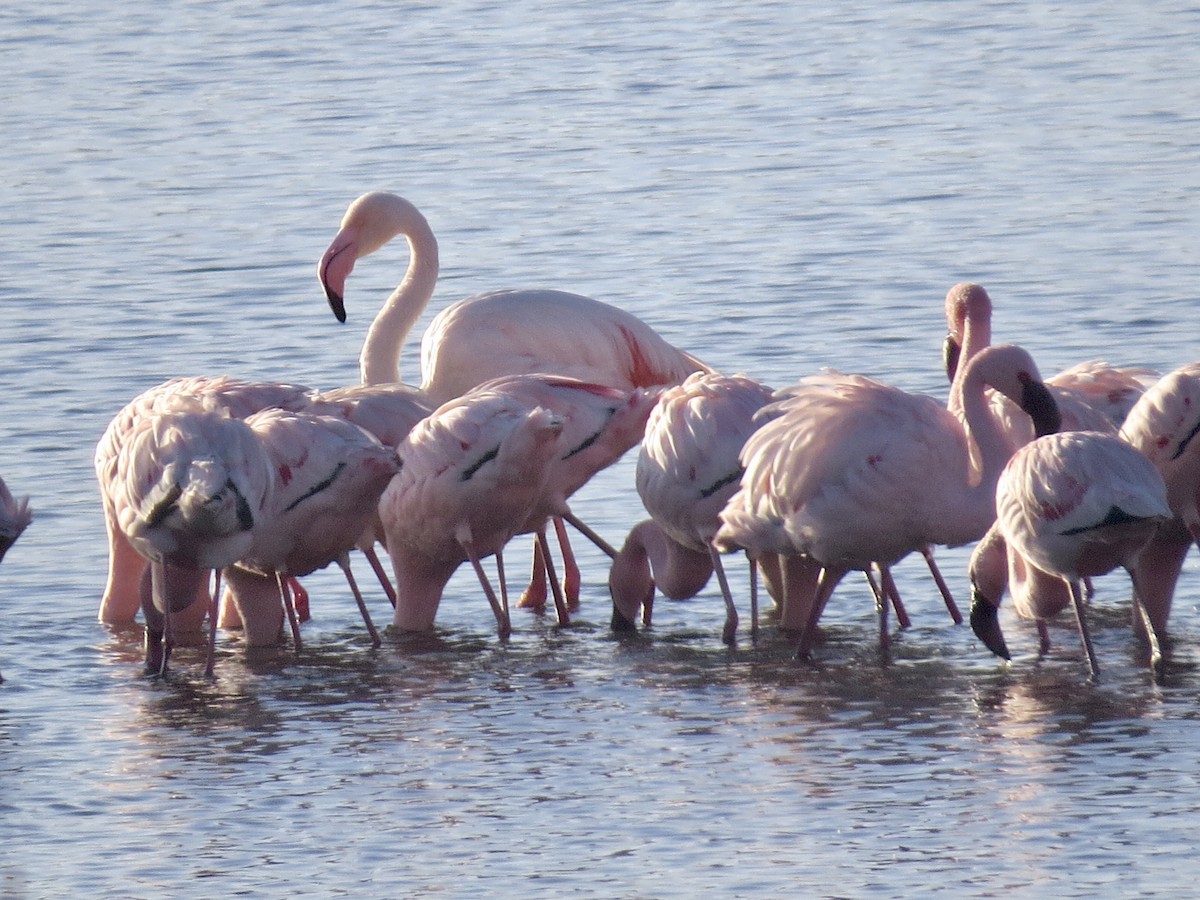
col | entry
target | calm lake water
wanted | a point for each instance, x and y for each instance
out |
(776, 187)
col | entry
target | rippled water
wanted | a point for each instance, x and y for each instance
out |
(776, 187)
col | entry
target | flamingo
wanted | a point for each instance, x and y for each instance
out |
(508, 332)
(1163, 425)
(686, 471)
(329, 474)
(1075, 504)
(15, 516)
(1091, 396)
(599, 425)
(472, 475)
(235, 397)
(844, 474)
(187, 489)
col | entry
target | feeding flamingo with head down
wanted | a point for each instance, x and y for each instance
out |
(843, 474)
(687, 469)
(187, 489)
(329, 474)
(512, 332)
(1075, 504)
(234, 397)
(599, 425)
(472, 474)
(1164, 426)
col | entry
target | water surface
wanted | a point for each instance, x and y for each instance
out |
(775, 187)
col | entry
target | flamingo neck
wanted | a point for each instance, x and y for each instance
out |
(989, 454)
(976, 336)
(379, 361)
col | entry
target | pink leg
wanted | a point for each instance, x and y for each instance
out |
(943, 588)
(828, 581)
(343, 562)
(535, 594)
(753, 598)
(729, 633)
(289, 608)
(503, 625)
(1077, 600)
(571, 579)
(381, 574)
(882, 605)
(893, 593)
(560, 602)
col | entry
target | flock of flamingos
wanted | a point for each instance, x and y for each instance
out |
(219, 493)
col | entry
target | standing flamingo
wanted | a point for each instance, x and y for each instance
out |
(471, 476)
(235, 397)
(329, 474)
(599, 425)
(490, 335)
(687, 469)
(1076, 504)
(854, 472)
(1164, 425)
(187, 490)
(1091, 396)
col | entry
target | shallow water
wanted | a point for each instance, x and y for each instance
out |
(775, 187)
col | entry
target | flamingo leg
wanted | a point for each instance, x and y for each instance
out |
(503, 581)
(826, 583)
(881, 607)
(534, 596)
(571, 578)
(1078, 601)
(210, 661)
(605, 547)
(753, 598)
(893, 593)
(503, 624)
(381, 574)
(943, 588)
(729, 634)
(1043, 637)
(285, 594)
(343, 562)
(560, 602)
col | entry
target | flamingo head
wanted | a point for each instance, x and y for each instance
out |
(335, 267)
(988, 574)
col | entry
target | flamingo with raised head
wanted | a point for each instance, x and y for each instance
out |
(1091, 396)
(1076, 504)
(329, 475)
(472, 475)
(686, 471)
(845, 473)
(512, 332)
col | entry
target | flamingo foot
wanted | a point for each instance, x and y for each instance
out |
(534, 596)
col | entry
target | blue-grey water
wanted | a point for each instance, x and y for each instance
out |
(776, 187)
